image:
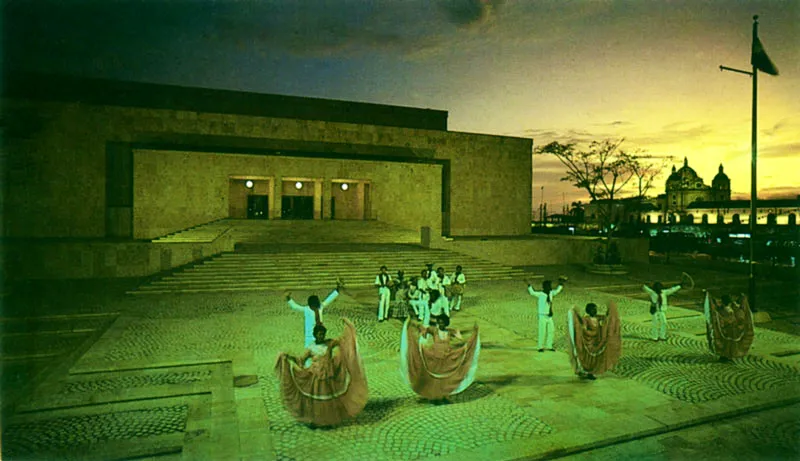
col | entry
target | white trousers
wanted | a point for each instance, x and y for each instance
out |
(419, 306)
(546, 329)
(659, 329)
(455, 301)
(383, 302)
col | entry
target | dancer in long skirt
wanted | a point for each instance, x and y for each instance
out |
(595, 342)
(729, 326)
(332, 388)
(431, 366)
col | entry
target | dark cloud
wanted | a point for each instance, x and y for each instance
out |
(674, 133)
(465, 13)
(787, 192)
(781, 127)
(785, 150)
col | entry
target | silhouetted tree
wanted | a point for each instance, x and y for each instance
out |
(646, 168)
(602, 171)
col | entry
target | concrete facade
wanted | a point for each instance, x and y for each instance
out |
(82, 167)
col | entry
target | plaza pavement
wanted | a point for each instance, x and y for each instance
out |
(154, 380)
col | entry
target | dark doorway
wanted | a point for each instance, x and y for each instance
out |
(258, 207)
(333, 207)
(297, 207)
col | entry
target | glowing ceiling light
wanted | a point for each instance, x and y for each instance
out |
(248, 184)
(345, 186)
(298, 185)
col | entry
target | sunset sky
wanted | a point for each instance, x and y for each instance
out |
(561, 70)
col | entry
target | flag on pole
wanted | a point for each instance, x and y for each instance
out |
(760, 60)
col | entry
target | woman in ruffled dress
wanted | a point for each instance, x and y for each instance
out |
(327, 384)
(431, 366)
(595, 341)
(729, 326)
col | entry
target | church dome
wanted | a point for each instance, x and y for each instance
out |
(684, 178)
(686, 172)
(721, 180)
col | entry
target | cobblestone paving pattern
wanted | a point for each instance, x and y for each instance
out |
(683, 368)
(62, 433)
(395, 424)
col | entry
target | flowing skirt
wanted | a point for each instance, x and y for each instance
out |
(436, 370)
(332, 389)
(594, 350)
(729, 335)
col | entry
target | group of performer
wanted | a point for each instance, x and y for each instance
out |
(432, 293)
(328, 383)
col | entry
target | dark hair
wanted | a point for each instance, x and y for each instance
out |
(657, 287)
(384, 268)
(726, 299)
(440, 268)
(458, 268)
(443, 321)
(591, 309)
(435, 295)
(547, 285)
(320, 328)
(313, 302)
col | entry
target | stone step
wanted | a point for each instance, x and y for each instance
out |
(227, 287)
(350, 278)
(341, 271)
(358, 264)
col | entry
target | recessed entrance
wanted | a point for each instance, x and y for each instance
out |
(258, 207)
(297, 207)
(248, 197)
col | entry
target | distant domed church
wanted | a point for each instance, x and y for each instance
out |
(685, 187)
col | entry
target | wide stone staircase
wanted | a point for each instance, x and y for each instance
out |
(291, 231)
(262, 266)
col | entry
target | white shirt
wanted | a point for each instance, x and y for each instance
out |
(310, 318)
(383, 283)
(445, 281)
(441, 306)
(541, 296)
(422, 285)
(414, 295)
(433, 282)
(664, 294)
(459, 278)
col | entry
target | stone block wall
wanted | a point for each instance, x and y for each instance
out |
(543, 250)
(56, 167)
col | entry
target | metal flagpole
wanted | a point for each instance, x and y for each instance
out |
(753, 189)
(760, 61)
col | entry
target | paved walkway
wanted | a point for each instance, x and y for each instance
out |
(154, 377)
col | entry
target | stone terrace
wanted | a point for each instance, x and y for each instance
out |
(155, 378)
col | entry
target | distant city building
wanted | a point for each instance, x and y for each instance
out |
(688, 200)
(685, 187)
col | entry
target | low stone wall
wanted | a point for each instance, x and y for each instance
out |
(54, 259)
(542, 250)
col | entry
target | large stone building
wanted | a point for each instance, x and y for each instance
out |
(95, 169)
(94, 159)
